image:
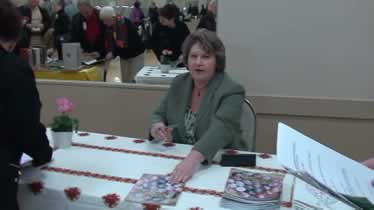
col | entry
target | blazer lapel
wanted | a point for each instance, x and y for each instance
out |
(207, 103)
(184, 99)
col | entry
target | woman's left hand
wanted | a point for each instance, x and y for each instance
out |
(185, 169)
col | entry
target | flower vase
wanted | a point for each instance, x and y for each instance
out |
(62, 140)
(165, 68)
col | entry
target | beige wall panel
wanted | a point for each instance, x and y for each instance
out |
(124, 109)
(119, 110)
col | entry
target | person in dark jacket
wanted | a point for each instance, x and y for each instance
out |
(136, 14)
(88, 30)
(153, 13)
(61, 26)
(37, 22)
(169, 33)
(208, 21)
(20, 127)
(203, 10)
(122, 39)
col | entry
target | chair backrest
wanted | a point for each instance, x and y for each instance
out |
(248, 124)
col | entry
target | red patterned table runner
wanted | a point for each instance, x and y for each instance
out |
(160, 155)
(122, 179)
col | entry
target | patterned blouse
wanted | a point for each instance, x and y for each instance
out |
(189, 124)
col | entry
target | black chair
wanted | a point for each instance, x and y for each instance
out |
(248, 125)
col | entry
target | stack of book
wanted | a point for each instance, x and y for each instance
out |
(251, 190)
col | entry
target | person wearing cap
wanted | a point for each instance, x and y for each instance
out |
(122, 39)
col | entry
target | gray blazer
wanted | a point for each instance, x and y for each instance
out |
(218, 118)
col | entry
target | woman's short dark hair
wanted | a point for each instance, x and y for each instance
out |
(169, 11)
(209, 42)
(10, 21)
(137, 4)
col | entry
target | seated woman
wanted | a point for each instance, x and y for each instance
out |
(203, 106)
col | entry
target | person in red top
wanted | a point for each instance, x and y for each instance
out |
(88, 30)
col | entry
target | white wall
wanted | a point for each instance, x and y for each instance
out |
(318, 48)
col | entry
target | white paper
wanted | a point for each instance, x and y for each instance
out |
(309, 194)
(26, 160)
(301, 153)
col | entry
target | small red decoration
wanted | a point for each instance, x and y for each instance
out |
(138, 141)
(111, 200)
(231, 152)
(264, 156)
(83, 134)
(36, 187)
(286, 204)
(73, 193)
(110, 137)
(168, 144)
(151, 206)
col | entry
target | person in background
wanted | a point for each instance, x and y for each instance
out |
(208, 21)
(189, 9)
(47, 5)
(137, 15)
(202, 10)
(202, 107)
(123, 40)
(169, 33)
(37, 22)
(153, 13)
(70, 9)
(20, 127)
(88, 30)
(61, 26)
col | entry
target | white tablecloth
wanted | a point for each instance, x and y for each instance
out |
(153, 75)
(98, 167)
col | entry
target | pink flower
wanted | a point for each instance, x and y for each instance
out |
(64, 105)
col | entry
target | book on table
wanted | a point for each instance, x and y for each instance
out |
(155, 189)
(248, 189)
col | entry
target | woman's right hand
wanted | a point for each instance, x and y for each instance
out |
(160, 131)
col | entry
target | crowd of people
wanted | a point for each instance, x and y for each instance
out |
(201, 108)
(103, 34)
